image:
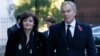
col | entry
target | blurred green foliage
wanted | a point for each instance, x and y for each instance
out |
(41, 7)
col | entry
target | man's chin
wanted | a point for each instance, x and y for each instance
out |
(68, 21)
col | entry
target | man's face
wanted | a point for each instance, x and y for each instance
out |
(68, 13)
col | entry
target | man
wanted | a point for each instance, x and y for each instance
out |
(49, 21)
(12, 29)
(70, 38)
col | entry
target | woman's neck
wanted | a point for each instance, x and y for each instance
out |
(27, 32)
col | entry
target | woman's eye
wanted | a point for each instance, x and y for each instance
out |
(30, 21)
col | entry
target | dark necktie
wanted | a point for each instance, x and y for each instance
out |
(69, 35)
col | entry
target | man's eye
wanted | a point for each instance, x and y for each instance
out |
(68, 11)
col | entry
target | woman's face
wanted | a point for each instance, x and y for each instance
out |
(28, 23)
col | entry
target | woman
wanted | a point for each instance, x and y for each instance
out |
(27, 41)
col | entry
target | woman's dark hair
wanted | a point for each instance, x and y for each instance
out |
(24, 16)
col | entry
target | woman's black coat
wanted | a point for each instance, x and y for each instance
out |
(38, 44)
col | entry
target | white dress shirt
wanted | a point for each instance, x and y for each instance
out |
(72, 27)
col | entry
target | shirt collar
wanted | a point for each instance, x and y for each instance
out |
(18, 25)
(73, 23)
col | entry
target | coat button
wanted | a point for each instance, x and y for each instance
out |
(40, 44)
(67, 48)
(20, 47)
(55, 50)
(37, 47)
(30, 51)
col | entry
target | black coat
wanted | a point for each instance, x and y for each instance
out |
(46, 33)
(12, 30)
(37, 44)
(81, 40)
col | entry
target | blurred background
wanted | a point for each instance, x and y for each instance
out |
(88, 11)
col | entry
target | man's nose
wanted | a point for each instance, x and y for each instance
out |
(66, 13)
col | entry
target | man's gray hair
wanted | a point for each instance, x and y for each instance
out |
(72, 4)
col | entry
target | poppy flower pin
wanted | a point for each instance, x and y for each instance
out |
(80, 28)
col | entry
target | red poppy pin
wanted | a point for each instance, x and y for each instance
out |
(80, 28)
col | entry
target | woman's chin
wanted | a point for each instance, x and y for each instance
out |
(28, 28)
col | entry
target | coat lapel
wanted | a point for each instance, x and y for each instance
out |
(63, 31)
(78, 30)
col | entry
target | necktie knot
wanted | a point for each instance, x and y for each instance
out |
(68, 26)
